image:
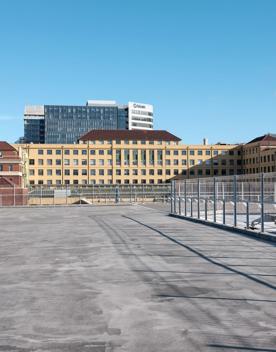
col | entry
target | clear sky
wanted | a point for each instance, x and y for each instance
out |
(207, 66)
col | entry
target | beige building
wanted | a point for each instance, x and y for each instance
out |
(128, 157)
(259, 155)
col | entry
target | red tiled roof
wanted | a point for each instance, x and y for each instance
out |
(264, 139)
(148, 135)
(4, 146)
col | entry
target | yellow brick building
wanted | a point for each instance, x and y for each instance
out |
(259, 155)
(127, 157)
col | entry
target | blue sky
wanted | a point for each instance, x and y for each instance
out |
(208, 66)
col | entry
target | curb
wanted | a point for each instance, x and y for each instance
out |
(250, 233)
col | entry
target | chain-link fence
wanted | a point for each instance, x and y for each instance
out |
(87, 194)
(245, 201)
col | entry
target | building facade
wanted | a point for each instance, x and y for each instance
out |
(140, 116)
(57, 124)
(259, 155)
(127, 157)
(12, 191)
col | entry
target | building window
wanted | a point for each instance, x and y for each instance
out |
(58, 152)
(93, 172)
(192, 152)
(40, 152)
(118, 172)
(49, 172)
(84, 152)
(84, 172)
(92, 152)
(75, 172)
(40, 162)
(58, 172)
(67, 172)
(31, 162)
(75, 152)
(49, 152)
(49, 162)
(67, 152)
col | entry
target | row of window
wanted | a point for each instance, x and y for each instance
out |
(263, 159)
(134, 172)
(93, 182)
(9, 168)
(109, 152)
(108, 162)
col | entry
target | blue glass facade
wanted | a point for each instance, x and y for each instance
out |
(65, 124)
(34, 130)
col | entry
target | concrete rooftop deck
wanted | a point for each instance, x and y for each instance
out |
(130, 278)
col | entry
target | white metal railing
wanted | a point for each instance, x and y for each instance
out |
(244, 201)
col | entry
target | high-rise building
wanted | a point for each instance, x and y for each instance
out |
(66, 123)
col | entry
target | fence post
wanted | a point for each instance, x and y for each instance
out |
(185, 195)
(40, 195)
(206, 209)
(174, 199)
(14, 195)
(171, 196)
(192, 207)
(247, 214)
(223, 204)
(262, 202)
(198, 199)
(215, 200)
(235, 200)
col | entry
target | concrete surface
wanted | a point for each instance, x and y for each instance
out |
(133, 279)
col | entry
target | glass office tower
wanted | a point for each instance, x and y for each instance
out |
(66, 123)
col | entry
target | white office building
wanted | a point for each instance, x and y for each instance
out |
(140, 116)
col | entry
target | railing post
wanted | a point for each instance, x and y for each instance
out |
(247, 214)
(206, 209)
(185, 196)
(215, 200)
(223, 205)
(174, 199)
(14, 196)
(192, 211)
(198, 199)
(171, 196)
(262, 202)
(235, 200)
(40, 195)
(179, 198)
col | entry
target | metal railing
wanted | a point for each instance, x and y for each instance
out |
(244, 201)
(84, 194)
